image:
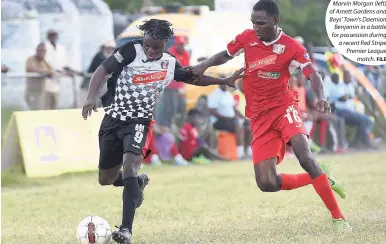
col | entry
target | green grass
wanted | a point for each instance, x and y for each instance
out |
(203, 204)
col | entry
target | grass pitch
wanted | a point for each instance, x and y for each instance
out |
(203, 204)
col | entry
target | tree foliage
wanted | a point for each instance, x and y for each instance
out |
(298, 17)
(304, 19)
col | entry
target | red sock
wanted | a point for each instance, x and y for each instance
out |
(312, 133)
(289, 182)
(323, 132)
(322, 187)
(174, 150)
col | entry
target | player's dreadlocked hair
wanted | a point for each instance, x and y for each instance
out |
(157, 29)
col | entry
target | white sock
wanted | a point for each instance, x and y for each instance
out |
(178, 157)
(154, 159)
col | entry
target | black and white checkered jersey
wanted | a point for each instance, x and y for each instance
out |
(136, 83)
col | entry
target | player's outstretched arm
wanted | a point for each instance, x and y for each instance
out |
(217, 59)
(317, 87)
(96, 81)
(209, 80)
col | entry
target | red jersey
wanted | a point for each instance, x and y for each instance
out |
(189, 142)
(184, 59)
(266, 75)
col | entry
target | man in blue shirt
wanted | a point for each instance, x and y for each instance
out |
(341, 95)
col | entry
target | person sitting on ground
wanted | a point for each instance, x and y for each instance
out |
(205, 127)
(192, 148)
(225, 115)
(164, 148)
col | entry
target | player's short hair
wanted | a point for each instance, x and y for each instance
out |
(269, 6)
(193, 112)
(157, 29)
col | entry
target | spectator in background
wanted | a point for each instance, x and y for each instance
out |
(57, 57)
(244, 123)
(296, 82)
(225, 115)
(35, 88)
(205, 126)
(163, 147)
(105, 51)
(341, 95)
(372, 73)
(192, 148)
(172, 101)
(4, 69)
(338, 123)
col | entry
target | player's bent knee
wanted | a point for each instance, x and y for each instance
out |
(267, 185)
(105, 181)
(266, 175)
(131, 164)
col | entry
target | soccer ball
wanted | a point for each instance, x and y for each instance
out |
(93, 229)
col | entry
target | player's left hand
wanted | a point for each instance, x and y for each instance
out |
(88, 107)
(231, 81)
(323, 106)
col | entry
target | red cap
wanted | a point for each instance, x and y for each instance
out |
(180, 40)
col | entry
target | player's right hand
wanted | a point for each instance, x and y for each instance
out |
(88, 107)
(231, 81)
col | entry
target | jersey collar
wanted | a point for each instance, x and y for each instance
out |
(277, 39)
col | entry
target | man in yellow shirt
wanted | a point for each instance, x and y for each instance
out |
(35, 86)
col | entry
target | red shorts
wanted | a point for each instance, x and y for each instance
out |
(272, 129)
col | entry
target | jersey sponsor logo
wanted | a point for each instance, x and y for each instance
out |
(278, 48)
(253, 44)
(268, 75)
(262, 62)
(164, 64)
(147, 78)
(118, 57)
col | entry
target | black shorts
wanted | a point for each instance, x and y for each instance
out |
(117, 137)
(227, 124)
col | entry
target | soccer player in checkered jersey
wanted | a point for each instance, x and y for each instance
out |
(140, 70)
(271, 104)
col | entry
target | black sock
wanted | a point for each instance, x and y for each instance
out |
(119, 181)
(130, 200)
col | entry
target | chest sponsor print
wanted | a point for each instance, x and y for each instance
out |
(148, 78)
(268, 75)
(262, 62)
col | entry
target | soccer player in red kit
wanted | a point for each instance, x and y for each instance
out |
(272, 106)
